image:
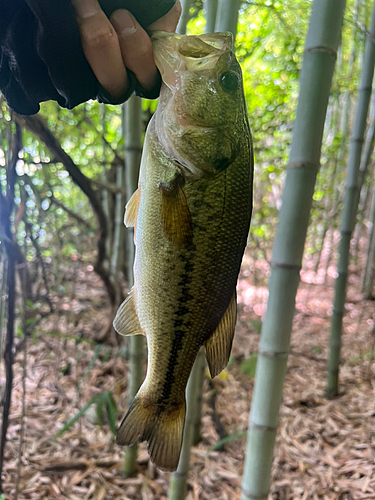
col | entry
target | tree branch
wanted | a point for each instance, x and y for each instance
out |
(109, 186)
(7, 202)
(36, 125)
(72, 214)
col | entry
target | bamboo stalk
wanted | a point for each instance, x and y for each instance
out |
(106, 202)
(363, 191)
(201, 370)
(334, 200)
(347, 95)
(368, 147)
(227, 16)
(315, 82)
(350, 209)
(369, 268)
(22, 269)
(118, 246)
(178, 480)
(333, 129)
(185, 16)
(210, 8)
(133, 151)
(2, 300)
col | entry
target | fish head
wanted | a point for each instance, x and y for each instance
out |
(201, 113)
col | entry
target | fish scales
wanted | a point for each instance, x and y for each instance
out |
(192, 217)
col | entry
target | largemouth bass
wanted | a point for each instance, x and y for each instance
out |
(191, 214)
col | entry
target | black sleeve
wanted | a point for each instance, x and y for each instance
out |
(41, 57)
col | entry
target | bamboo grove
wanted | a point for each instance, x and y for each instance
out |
(66, 176)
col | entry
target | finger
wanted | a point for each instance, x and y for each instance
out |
(101, 47)
(136, 48)
(169, 21)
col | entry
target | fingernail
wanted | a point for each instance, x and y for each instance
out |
(86, 8)
(123, 22)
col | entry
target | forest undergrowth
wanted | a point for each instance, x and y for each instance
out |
(325, 449)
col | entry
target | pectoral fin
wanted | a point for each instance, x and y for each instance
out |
(175, 213)
(131, 209)
(219, 345)
(126, 321)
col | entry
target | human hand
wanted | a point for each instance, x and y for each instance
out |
(120, 43)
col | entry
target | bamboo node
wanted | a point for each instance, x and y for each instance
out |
(342, 274)
(340, 314)
(263, 427)
(364, 89)
(334, 372)
(299, 164)
(273, 354)
(284, 265)
(321, 48)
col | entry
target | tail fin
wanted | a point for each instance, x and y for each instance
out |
(162, 429)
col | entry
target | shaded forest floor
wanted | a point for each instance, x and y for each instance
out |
(325, 449)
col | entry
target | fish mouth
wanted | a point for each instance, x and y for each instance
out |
(175, 53)
(169, 47)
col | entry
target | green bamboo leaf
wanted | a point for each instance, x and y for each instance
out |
(77, 416)
(107, 355)
(111, 408)
(227, 439)
(257, 325)
(248, 366)
(99, 409)
(31, 321)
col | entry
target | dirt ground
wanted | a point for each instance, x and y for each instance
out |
(325, 449)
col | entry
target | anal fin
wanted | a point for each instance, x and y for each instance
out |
(126, 321)
(219, 345)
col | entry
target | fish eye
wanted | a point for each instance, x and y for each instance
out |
(229, 81)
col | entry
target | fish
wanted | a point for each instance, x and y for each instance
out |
(191, 216)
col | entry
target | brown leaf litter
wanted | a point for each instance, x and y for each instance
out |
(325, 449)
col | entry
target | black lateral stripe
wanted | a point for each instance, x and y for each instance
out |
(181, 325)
